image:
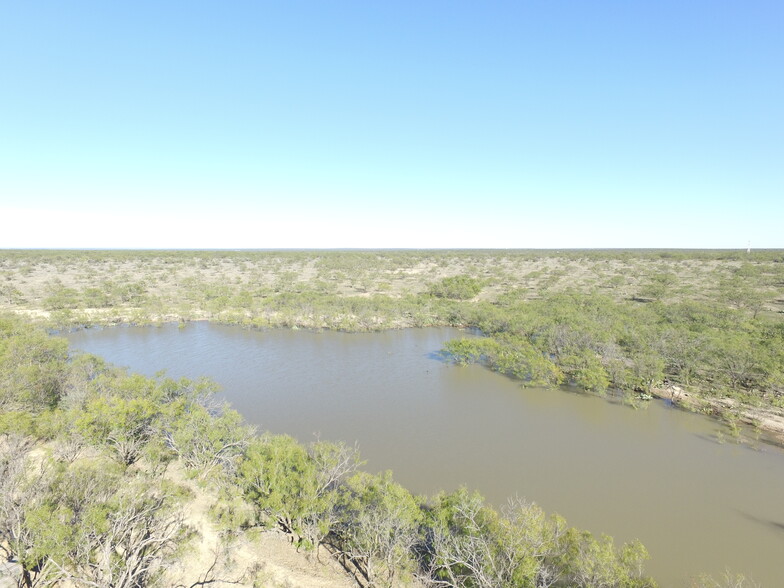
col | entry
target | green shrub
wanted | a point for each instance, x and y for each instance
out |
(456, 288)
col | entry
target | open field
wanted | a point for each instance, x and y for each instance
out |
(149, 285)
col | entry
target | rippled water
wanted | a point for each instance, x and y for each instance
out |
(656, 474)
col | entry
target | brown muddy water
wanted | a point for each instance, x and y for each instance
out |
(656, 473)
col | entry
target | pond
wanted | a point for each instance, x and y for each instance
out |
(655, 473)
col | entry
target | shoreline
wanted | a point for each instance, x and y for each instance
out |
(766, 420)
(769, 421)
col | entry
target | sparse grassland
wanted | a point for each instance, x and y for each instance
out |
(149, 286)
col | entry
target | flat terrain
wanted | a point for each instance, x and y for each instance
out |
(152, 285)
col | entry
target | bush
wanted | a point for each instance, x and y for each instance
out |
(456, 288)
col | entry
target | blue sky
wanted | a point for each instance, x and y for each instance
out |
(392, 124)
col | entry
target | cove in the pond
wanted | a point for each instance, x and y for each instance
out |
(656, 473)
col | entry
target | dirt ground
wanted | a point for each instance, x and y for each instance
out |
(257, 559)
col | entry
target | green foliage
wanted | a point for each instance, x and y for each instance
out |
(205, 440)
(596, 562)
(738, 361)
(32, 367)
(279, 477)
(470, 545)
(124, 425)
(60, 297)
(11, 294)
(597, 343)
(296, 487)
(466, 547)
(96, 298)
(378, 525)
(18, 422)
(585, 369)
(512, 356)
(465, 351)
(658, 286)
(90, 520)
(647, 371)
(104, 529)
(204, 434)
(456, 288)
(22, 495)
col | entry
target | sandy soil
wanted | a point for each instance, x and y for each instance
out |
(262, 559)
(768, 420)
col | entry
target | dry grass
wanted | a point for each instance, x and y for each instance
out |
(177, 280)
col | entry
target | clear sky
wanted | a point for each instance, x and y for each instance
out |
(530, 124)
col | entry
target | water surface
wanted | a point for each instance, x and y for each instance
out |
(656, 474)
